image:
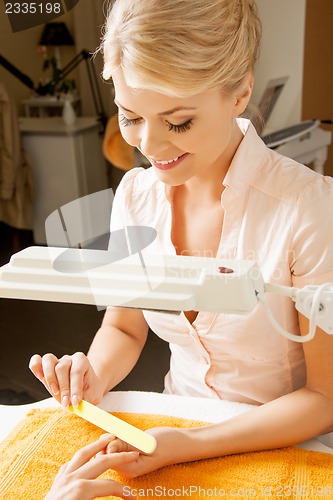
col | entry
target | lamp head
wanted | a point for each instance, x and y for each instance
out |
(56, 34)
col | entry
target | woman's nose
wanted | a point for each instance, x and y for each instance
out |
(152, 140)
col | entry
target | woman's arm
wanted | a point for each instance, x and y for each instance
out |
(112, 355)
(117, 345)
(290, 419)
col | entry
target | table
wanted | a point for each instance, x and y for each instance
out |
(312, 147)
(43, 106)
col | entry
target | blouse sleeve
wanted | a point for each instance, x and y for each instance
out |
(312, 238)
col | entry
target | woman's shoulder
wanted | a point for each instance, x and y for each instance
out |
(272, 174)
(307, 183)
(139, 178)
(293, 181)
(141, 188)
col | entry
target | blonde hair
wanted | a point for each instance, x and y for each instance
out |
(182, 47)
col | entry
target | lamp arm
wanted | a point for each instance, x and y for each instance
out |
(16, 72)
(84, 55)
(314, 302)
(71, 65)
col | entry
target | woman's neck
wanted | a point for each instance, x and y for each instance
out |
(209, 184)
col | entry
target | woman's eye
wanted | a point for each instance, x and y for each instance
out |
(183, 127)
(125, 122)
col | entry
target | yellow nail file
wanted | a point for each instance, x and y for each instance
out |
(127, 432)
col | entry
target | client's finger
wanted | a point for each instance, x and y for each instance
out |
(105, 488)
(83, 455)
(95, 468)
(118, 445)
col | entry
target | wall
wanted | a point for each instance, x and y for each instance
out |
(20, 50)
(318, 67)
(88, 20)
(282, 54)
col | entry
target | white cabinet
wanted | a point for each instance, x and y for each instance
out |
(67, 163)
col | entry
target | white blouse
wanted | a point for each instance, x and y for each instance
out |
(278, 213)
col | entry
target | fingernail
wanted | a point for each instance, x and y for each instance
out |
(54, 389)
(65, 401)
(75, 401)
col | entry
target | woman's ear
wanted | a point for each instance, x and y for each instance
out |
(244, 96)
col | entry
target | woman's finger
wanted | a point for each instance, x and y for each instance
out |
(35, 365)
(80, 366)
(49, 361)
(63, 373)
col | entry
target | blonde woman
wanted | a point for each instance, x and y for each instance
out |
(183, 72)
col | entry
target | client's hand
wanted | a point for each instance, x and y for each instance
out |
(68, 379)
(173, 446)
(76, 480)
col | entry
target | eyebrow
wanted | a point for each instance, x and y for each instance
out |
(163, 113)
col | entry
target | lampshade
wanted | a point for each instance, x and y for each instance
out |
(56, 34)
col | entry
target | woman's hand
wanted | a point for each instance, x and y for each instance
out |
(68, 379)
(76, 480)
(173, 446)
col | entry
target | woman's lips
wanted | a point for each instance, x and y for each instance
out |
(168, 164)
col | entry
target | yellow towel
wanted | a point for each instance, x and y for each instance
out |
(33, 453)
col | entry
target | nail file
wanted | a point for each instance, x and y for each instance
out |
(127, 432)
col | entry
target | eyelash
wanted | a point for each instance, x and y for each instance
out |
(183, 127)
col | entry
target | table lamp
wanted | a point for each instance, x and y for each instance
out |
(55, 35)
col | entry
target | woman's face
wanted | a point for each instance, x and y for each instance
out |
(181, 137)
